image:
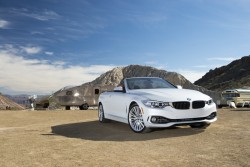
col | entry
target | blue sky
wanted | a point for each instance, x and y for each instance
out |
(49, 44)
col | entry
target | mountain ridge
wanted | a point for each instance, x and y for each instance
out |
(234, 75)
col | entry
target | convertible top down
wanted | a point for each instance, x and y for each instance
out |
(149, 102)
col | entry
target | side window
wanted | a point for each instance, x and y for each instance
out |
(97, 91)
(69, 93)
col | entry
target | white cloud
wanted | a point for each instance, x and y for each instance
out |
(36, 33)
(4, 24)
(156, 64)
(151, 62)
(59, 63)
(32, 49)
(44, 15)
(191, 75)
(18, 74)
(8, 48)
(49, 53)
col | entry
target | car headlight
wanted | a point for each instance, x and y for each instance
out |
(209, 102)
(155, 104)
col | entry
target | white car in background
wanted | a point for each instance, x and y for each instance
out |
(149, 102)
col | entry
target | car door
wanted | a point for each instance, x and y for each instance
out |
(119, 104)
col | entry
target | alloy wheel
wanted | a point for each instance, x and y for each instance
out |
(135, 119)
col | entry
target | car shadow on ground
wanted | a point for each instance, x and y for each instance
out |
(115, 131)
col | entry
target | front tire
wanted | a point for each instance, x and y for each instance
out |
(101, 115)
(135, 120)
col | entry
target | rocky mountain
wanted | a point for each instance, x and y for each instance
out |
(234, 75)
(115, 76)
(7, 104)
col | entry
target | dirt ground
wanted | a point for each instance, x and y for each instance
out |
(76, 138)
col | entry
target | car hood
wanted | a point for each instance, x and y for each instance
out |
(170, 94)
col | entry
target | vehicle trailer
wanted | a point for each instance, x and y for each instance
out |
(240, 97)
(83, 96)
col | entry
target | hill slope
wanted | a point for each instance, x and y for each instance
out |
(5, 102)
(234, 75)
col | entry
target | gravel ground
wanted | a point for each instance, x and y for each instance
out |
(76, 138)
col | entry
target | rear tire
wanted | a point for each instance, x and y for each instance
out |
(67, 107)
(84, 107)
(101, 114)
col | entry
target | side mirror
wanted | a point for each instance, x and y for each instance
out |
(179, 86)
(118, 89)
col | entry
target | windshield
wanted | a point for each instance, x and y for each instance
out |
(228, 95)
(148, 83)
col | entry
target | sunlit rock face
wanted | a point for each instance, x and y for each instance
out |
(7, 104)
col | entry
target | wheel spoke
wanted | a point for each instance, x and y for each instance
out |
(135, 119)
(141, 123)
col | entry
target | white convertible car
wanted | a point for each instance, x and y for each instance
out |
(147, 102)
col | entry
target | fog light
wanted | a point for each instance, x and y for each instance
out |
(153, 119)
(211, 116)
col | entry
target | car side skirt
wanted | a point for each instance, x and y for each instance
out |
(115, 118)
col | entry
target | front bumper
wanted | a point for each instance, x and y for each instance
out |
(168, 116)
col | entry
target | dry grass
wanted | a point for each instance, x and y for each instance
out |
(76, 138)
